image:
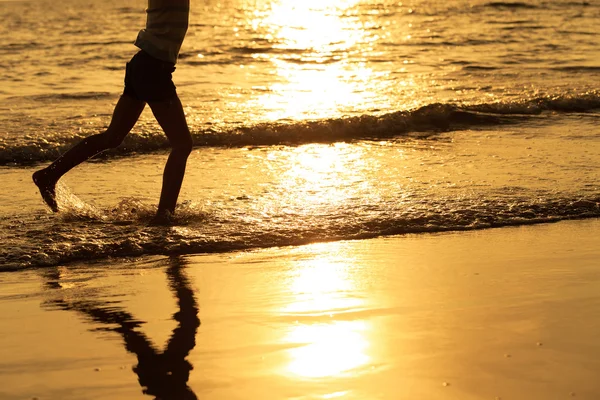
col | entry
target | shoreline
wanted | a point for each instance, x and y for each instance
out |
(298, 243)
(501, 313)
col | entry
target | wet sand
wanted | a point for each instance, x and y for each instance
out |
(508, 313)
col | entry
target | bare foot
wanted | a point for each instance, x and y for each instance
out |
(47, 189)
(162, 218)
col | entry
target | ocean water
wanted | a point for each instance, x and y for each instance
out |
(312, 121)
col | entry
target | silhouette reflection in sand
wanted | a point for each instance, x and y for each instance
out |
(165, 374)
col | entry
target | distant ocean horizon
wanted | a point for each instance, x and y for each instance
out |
(312, 121)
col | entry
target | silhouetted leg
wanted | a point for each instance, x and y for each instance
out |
(183, 339)
(163, 375)
(126, 113)
(171, 118)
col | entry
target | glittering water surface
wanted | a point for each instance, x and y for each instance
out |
(249, 62)
(313, 121)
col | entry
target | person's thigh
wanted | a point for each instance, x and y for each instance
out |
(171, 118)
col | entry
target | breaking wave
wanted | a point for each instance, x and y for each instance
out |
(82, 232)
(427, 120)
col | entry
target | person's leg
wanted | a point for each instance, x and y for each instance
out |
(171, 118)
(126, 113)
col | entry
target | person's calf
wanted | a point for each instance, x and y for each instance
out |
(107, 140)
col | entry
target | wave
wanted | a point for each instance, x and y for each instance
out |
(83, 233)
(480, 68)
(48, 97)
(510, 5)
(520, 5)
(425, 121)
(18, 47)
(100, 44)
(578, 68)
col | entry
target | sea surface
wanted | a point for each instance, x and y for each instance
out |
(312, 120)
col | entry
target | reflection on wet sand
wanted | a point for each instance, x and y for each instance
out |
(162, 374)
(322, 286)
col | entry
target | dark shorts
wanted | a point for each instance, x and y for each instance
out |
(149, 79)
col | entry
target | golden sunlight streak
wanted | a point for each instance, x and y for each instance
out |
(328, 347)
(329, 350)
(314, 80)
(319, 284)
(313, 24)
(323, 175)
(315, 90)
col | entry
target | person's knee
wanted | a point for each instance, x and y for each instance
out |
(184, 145)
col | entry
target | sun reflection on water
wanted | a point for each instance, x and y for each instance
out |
(312, 75)
(318, 176)
(313, 24)
(315, 90)
(325, 346)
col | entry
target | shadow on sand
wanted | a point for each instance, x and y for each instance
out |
(162, 374)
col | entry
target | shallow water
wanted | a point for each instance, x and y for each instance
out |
(245, 198)
(313, 121)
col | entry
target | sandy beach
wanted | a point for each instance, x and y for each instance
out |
(507, 313)
(385, 200)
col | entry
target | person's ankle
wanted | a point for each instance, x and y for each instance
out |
(163, 217)
(44, 175)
